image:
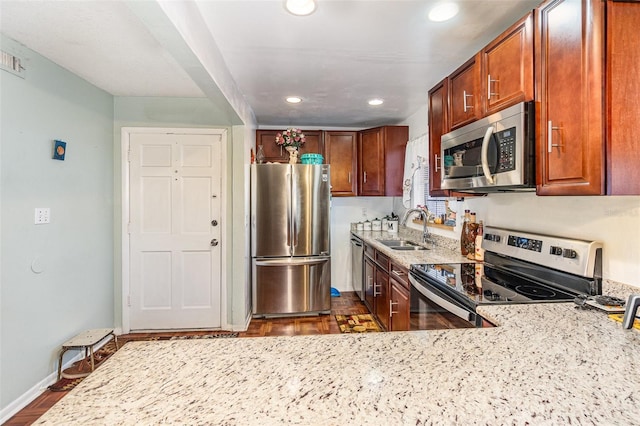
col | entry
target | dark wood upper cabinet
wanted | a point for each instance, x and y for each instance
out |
(623, 99)
(371, 162)
(437, 127)
(464, 90)
(277, 154)
(341, 148)
(381, 160)
(507, 68)
(569, 54)
(272, 152)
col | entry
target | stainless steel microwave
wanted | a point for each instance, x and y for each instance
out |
(495, 153)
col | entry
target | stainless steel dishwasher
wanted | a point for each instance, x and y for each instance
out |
(357, 265)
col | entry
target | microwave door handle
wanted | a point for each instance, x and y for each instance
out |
(450, 307)
(484, 154)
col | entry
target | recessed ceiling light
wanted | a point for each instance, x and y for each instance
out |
(376, 102)
(300, 7)
(443, 12)
(294, 100)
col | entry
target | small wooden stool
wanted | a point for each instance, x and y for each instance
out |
(86, 340)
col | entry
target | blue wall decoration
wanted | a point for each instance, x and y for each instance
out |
(59, 150)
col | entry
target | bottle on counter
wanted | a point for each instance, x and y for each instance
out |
(479, 251)
(479, 255)
(464, 247)
(470, 238)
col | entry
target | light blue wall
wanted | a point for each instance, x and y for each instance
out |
(74, 291)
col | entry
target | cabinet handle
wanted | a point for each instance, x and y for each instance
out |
(464, 101)
(349, 177)
(398, 273)
(364, 176)
(369, 281)
(391, 311)
(550, 129)
(437, 161)
(489, 81)
(375, 293)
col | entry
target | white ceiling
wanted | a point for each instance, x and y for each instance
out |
(336, 59)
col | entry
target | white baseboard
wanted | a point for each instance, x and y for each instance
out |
(26, 398)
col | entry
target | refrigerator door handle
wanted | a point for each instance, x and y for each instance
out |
(294, 210)
(292, 262)
(289, 218)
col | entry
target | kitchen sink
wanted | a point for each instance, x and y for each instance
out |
(402, 245)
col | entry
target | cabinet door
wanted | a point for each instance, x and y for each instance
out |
(399, 305)
(437, 127)
(342, 154)
(272, 152)
(369, 279)
(507, 68)
(569, 84)
(277, 154)
(313, 143)
(623, 61)
(395, 140)
(371, 162)
(381, 296)
(463, 93)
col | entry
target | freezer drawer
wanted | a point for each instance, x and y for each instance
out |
(291, 286)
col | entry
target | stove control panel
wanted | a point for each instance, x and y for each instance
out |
(570, 255)
(525, 243)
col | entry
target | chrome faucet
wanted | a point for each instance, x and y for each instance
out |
(425, 218)
(630, 312)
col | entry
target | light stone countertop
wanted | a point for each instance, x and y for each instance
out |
(545, 364)
(445, 250)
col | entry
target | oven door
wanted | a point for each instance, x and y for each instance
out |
(432, 308)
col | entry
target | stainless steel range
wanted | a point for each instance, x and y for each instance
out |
(518, 267)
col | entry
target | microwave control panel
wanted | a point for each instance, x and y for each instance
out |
(507, 150)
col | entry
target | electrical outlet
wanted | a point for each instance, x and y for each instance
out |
(42, 215)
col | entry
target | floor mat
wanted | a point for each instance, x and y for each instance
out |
(361, 323)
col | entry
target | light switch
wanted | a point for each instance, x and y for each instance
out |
(43, 215)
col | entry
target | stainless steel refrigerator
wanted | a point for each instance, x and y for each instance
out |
(290, 241)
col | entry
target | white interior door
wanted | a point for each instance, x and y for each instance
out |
(174, 230)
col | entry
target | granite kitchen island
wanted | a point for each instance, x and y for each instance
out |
(544, 364)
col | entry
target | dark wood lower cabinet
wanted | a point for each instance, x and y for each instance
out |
(399, 294)
(386, 290)
(381, 287)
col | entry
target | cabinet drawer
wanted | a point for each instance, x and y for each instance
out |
(370, 251)
(382, 260)
(399, 273)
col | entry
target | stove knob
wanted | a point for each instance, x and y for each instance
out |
(555, 250)
(571, 254)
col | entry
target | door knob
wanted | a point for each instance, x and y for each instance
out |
(214, 222)
(214, 242)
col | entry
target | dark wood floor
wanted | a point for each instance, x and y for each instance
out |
(347, 304)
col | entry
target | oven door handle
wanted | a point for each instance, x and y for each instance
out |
(443, 303)
(485, 154)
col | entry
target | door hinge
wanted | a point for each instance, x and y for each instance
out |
(129, 156)
(129, 228)
(129, 300)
